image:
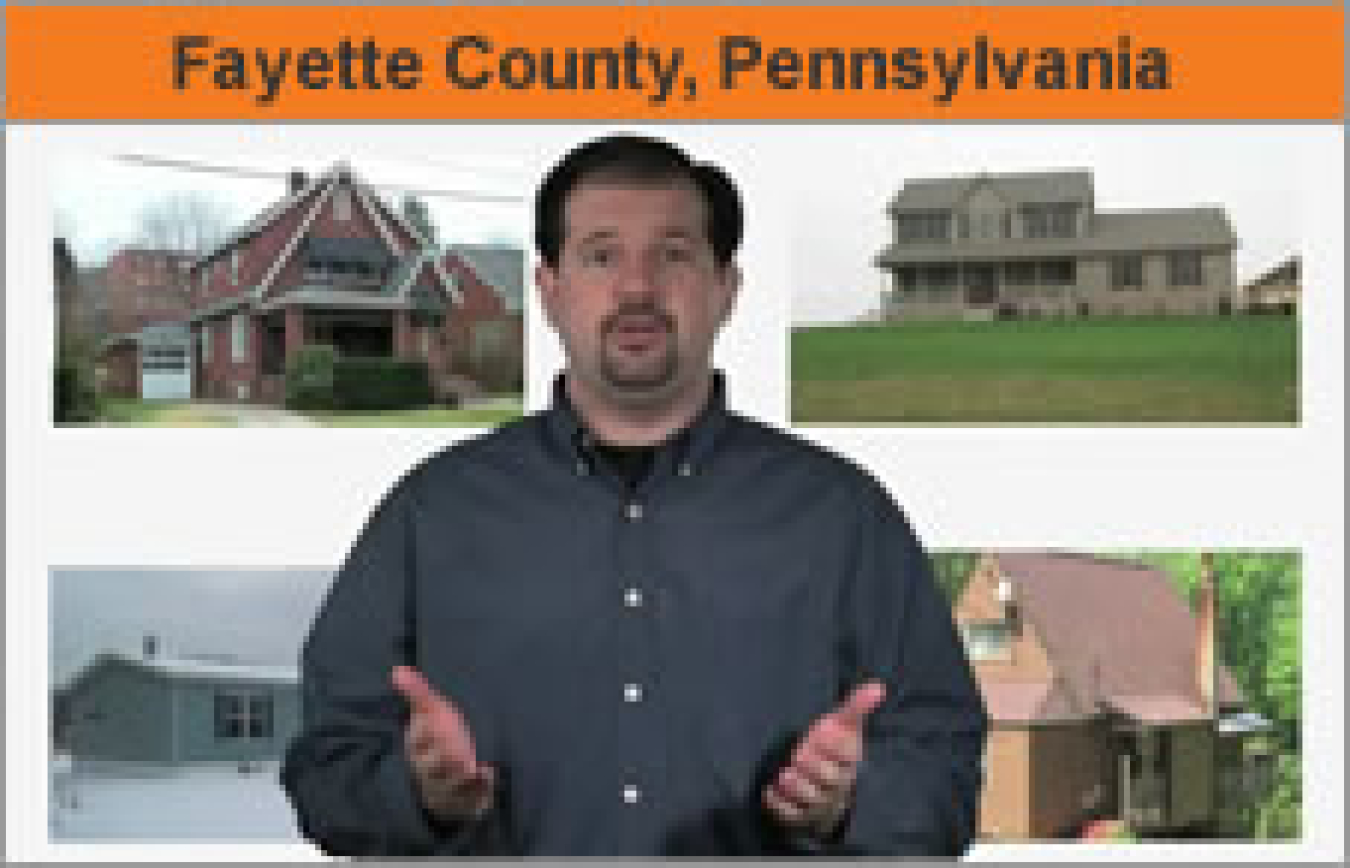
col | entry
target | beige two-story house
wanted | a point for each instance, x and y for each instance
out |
(1035, 244)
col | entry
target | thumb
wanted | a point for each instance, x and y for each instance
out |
(864, 700)
(414, 687)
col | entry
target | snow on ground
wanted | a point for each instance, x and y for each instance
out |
(189, 804)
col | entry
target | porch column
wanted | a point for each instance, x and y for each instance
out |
(295, 330)
(405, 347)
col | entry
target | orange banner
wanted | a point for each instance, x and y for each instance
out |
(674, 63)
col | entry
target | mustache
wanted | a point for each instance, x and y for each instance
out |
(637, 309)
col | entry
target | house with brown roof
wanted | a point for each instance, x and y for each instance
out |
(332, 263)
(1105, 695)
(1035, 244)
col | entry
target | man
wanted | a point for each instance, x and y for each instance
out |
(636, 623)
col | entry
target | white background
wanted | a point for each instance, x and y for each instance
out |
(277, 497)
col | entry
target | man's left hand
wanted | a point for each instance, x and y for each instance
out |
(812, 793)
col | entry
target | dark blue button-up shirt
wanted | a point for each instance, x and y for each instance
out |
(637, 663)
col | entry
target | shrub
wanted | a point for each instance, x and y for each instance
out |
(76, 395)
(310, 378)
(372, 384)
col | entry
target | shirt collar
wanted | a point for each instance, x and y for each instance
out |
(685, 453)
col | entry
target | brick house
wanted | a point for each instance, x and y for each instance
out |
(331, 263)
(1035, 244)
(143, 292)
(1105, 695)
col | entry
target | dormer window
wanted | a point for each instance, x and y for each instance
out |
(1050, 220)
(342, 204)
(346, 260)
(923, 226)
(987, 640)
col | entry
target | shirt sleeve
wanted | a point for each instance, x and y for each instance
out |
(346, 772)
(918, 785)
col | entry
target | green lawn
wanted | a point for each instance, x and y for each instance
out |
(134, 413)
(1217, 370)
(485, 416)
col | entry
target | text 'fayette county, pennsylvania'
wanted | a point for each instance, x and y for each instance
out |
(663, 74)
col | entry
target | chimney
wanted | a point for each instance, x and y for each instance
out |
(150, 646)
(296, 181)
(1206, 639)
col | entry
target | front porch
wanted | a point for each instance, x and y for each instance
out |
(354, 331)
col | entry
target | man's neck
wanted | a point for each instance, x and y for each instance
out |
(624, 423)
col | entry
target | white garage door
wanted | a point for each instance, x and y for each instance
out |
(166, 373)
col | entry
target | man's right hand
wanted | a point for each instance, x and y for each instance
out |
(453, 785)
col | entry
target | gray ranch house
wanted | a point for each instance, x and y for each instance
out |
(159, 710)
(1035, 244)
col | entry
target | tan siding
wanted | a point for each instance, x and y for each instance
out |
(1005, 799)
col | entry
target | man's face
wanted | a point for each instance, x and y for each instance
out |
(637, 296)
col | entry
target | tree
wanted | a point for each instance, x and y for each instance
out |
(187, 222)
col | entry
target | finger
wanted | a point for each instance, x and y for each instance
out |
(782, 808)
(834, 741)
(864, 699)
(414, 688)
(795, 788)
(824, 773)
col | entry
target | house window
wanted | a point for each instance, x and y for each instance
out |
(204, 278)
(230, 716)
(1127, 272)
(906, 280)
(240, 715)
(1050, 220)
(205, 338)
(1183, 269)
(1058, 272)
(939, 280)
(918, 226)
(239, 337)
(1020, 273)
(986, 640)
(260, 716)
(234, 266)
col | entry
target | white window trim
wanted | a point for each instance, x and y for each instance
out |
(207, 335)
(239, 338)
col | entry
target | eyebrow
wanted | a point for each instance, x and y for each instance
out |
(606, 234)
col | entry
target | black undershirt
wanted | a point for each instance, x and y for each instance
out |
(631, 463)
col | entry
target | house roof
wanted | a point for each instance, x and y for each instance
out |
(1111, 232)
(928, 194)
(499, 266)
(1117, 633)
(190, 669)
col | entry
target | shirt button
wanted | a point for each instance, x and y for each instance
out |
(686, 469)
(582, 469)
(631, 794)
(634, 511)
(632, 598)
(632, 692)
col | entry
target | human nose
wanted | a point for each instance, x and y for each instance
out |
(641, 276)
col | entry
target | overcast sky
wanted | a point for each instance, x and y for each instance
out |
(98, 200)
(258, 616)
(849, 173)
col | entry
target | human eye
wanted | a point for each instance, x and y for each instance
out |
(598, 257)
(677, 252)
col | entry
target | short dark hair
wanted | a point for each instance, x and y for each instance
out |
(641, 160)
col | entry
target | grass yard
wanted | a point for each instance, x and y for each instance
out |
(486, 415)
(134, 413)
(1179, 370)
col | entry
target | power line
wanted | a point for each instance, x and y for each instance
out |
(269, 174)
